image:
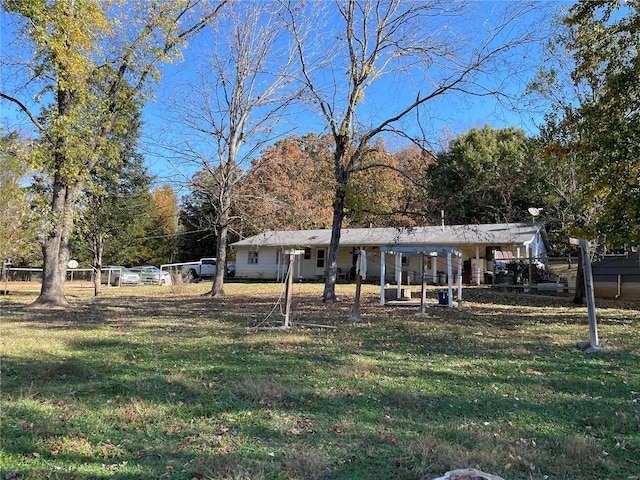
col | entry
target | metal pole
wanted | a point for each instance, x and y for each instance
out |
(591, 301)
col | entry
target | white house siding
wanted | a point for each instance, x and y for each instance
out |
(265, 268)
(477, 242)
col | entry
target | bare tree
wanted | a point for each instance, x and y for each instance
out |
(232, 109)
(416, 52)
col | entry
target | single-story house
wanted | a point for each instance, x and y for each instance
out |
(617, 276)
(263, 256)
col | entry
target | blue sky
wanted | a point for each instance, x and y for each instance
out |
(449, 115)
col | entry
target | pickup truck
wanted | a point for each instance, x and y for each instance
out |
(204, 268)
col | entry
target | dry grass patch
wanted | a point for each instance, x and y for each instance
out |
(264, 392)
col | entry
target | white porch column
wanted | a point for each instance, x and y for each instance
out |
(477, 265)
(450, 279)
(460, 282)
(434, 269)
(399, 274)
(382, 275)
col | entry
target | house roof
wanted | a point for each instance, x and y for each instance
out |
(459, 235)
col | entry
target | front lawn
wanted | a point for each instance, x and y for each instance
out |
(160, 382)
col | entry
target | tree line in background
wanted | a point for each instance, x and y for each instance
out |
(76, 184)
(485, 175)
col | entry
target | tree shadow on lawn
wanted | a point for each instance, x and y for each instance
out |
(368, 389)
(360, 425)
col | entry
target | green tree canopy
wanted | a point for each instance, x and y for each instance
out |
(18, 233)
(487, 175)
(604, 41)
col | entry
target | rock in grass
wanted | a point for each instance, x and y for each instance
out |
(468, 474)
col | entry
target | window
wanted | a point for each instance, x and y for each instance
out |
(320, 256)
(307, 253)
(253, 257)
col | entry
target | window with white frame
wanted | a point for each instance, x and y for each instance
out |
(253, 257)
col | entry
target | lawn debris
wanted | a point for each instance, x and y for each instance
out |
(468, 474)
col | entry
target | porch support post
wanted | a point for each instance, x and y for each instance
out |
(399, 274)
(477, 265)
(450, 279)
(382, 276)
(460, 282)
(434, 269)
(423, 288)
(281, 258)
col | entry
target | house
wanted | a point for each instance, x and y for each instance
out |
(617, 276)
(477, 246)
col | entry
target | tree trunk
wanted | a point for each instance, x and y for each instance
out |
(98, 247)
(57, 246)
(329, 294)
(342, 179)
(217, 289)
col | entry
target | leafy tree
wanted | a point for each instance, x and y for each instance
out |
(487, 175)
(563, 213)
(167, 216)
(289, 186)
(18, 234)
(416, 200)
(375, 192)
(116, 211)
(366, 43)
(604, 41)
(197, 224)
(91, 61)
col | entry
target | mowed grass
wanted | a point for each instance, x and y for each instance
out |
(159, 382)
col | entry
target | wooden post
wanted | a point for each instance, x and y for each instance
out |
(288, 292)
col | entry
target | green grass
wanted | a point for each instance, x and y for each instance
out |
(164, 383)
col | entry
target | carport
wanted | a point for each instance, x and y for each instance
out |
(425, 252)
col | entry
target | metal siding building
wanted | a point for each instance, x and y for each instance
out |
(617, 276)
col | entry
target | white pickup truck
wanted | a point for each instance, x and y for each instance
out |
(205, 268)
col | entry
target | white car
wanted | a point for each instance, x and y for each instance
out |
(150, 275)
(111, 274)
